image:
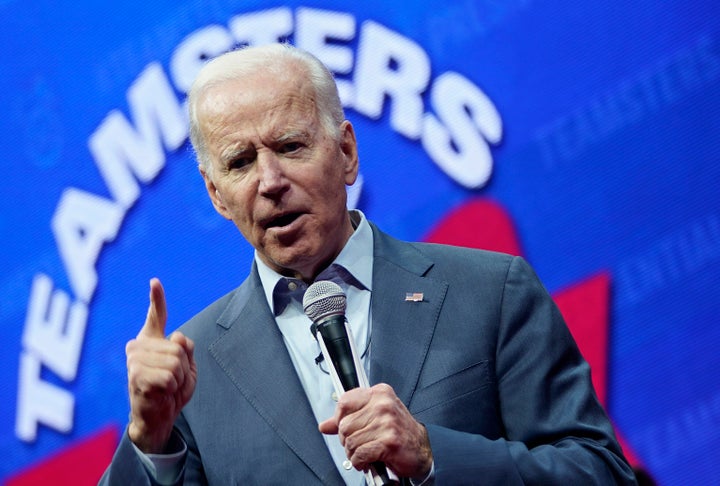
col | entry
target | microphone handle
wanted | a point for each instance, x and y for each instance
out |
(337, 341)
(338, 346)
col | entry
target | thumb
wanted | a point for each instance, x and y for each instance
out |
(157, 312)
(329, 426)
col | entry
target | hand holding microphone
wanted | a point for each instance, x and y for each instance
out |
(373, 425)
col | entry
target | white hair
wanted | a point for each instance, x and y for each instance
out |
(273, 59)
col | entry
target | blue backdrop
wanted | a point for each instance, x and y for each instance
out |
(594, 126)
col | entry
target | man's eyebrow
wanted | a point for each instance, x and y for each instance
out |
(292, 135)
(232, 153)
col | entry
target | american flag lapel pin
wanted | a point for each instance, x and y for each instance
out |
(414, 297)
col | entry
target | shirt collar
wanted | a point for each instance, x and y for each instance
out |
(356, 258)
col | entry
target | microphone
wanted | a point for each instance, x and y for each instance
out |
(324, 303)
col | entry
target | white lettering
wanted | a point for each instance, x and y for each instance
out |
(389, 64)
(51, 333)
(264, 27)
(118, 148)
(82, 223)
(314, 28)
(197, 48)
(454, 141)
(40, 402)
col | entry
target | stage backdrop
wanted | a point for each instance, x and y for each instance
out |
(582, 135)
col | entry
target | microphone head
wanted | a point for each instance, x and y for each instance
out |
(323, 299)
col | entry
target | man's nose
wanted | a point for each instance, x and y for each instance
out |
(271, 177)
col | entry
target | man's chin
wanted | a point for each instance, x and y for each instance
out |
(290, 262)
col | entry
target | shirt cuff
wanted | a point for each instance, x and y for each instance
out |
(165, 469)
(428, 480)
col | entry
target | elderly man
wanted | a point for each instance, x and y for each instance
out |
(477, 382)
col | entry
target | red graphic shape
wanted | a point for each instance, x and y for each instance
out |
(485, 224)
(479, 223)
(80, 464)
(584, 305)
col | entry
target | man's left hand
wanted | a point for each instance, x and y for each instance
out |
(374, 425)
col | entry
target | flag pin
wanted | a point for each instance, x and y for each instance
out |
(413, 297)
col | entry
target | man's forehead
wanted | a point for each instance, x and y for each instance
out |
(276, 114)
(256, 93)
(233, 124)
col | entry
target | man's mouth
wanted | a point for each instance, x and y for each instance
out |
(283, 220)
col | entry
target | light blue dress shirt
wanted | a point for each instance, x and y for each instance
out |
(352, 270)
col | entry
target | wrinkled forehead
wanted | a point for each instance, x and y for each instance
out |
(258, 92)
(240, 114)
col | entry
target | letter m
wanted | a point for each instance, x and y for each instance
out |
(121, 149)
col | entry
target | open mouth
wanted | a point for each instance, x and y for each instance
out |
(283, 220)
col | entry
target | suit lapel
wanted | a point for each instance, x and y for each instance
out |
(254, 356)
(401, 330)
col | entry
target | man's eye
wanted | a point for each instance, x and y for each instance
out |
(290, 147)
(239, 163)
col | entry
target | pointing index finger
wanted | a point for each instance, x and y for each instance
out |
(157, 312)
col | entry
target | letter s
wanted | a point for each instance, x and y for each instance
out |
(458, 142)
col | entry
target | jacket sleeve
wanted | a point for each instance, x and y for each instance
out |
(555, 431)
(127, 467)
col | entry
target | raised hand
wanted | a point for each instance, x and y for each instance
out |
(161, 376)
(374, 425)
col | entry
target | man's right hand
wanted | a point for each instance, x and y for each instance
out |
(161, 376)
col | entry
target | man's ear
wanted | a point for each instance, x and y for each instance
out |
(348, 146)
(214, 194)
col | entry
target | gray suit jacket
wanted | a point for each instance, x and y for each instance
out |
(485, 361)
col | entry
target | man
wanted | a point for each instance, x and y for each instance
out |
(477, 381)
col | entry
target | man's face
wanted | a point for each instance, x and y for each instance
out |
(276, 173)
